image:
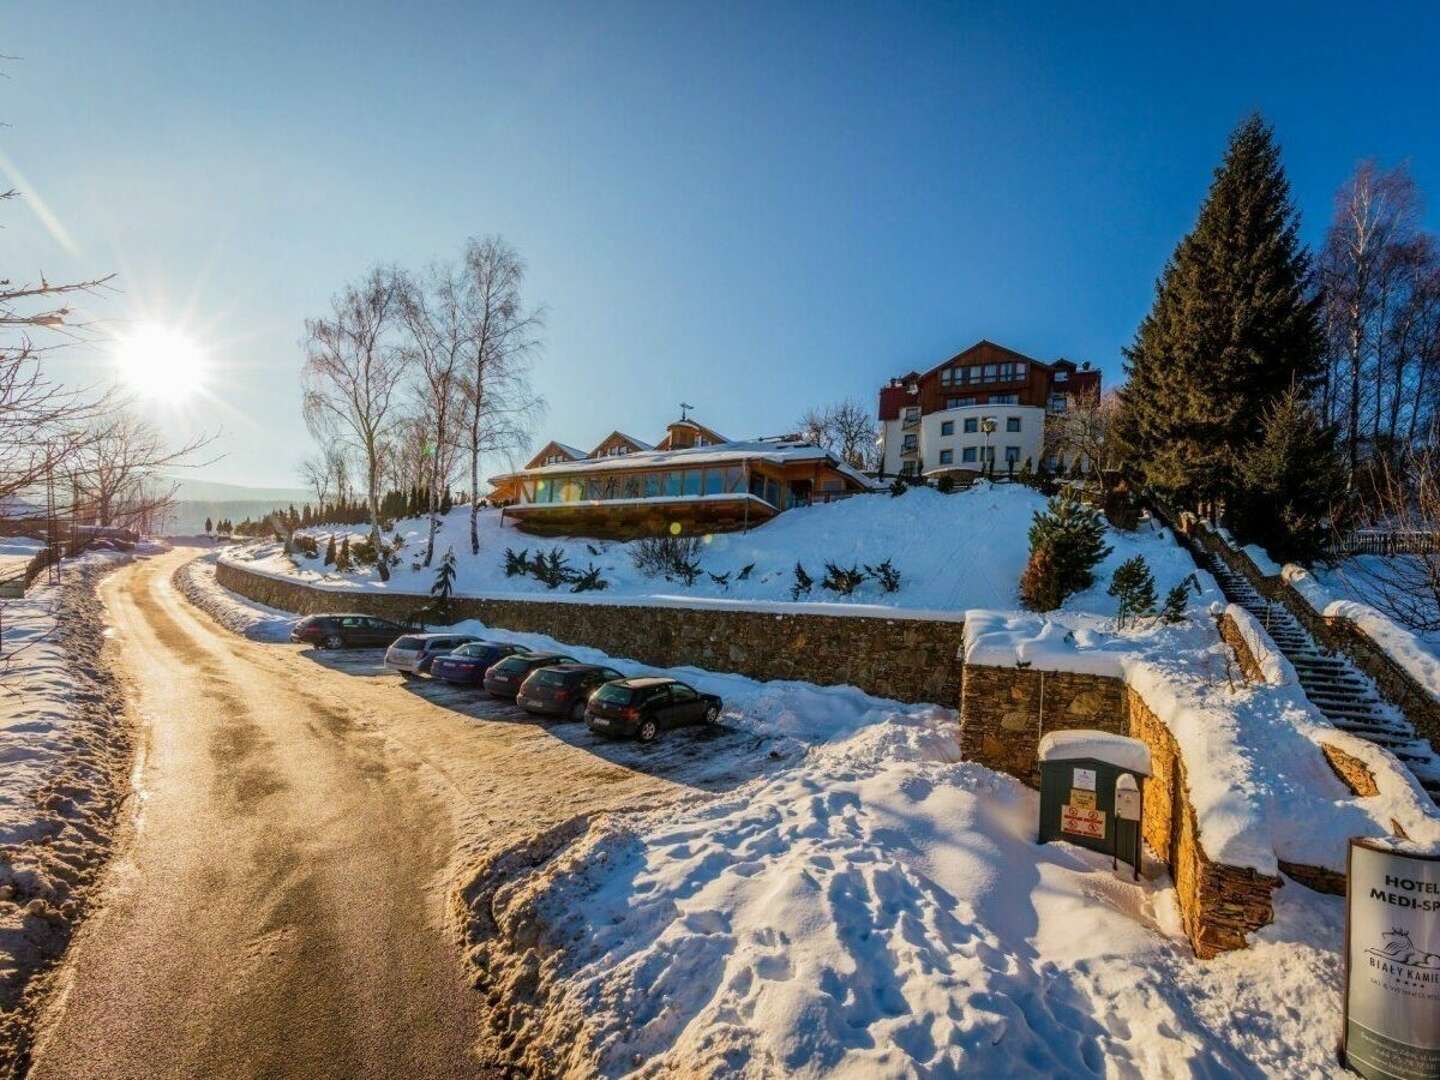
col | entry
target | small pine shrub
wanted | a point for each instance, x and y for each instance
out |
(517, 564)
(745, 570)
(670, 557)
(364, 553)
(841, 579)
(590, 580)
(898, 488)
(723, 580)
(330, 551)
(886, 574)
(803, 583)
(1134, 586)
(444, 584)
(1073, 534)
(945, 484)
(1040, 583)
(343, 562)
(553, 570)
(1173, 610)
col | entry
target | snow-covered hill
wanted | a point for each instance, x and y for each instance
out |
(953, 552)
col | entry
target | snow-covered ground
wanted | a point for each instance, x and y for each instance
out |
(953, 552)
(1360, 578)
(16, 553)
(881, 909)
(65, 750)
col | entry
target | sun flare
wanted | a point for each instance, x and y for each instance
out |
(160, 363)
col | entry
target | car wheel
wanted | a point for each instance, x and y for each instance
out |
(712, 714)
(334, 641)
(648, 730)
(577, 711)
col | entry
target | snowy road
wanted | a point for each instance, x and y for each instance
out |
(279, 903)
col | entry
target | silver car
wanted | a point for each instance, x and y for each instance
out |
(412, 654)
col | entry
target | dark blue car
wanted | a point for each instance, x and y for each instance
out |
(466, 666)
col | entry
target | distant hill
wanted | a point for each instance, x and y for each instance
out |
(196, 500)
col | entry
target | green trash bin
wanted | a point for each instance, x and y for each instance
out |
(1092, 786)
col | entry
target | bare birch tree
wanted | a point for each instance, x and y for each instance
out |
(352, 379)
(847, 427)
(500, 406)
(435, 314)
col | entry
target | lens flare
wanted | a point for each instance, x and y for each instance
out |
(160, 363)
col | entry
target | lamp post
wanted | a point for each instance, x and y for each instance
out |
(987, 425)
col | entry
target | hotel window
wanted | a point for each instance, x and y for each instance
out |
(672, 484)
(1004, 399)
(1012, 455)
(1058, 402)
(1062, 376)
(651, 482)
(972, 375)
(571, 491)
(946, 374)
(947, 427)
(757, 485)
(990, 372)
(734, 480)
(954, 402)
(1012, 423)
(772, 492)
(907, 468)
(968, 455)
(910, 443)
(987, 453)
(631, 490)
(594, 489)
(544, 491)
(714, 481)
(972, 425)
(947, 457)
(692, 480)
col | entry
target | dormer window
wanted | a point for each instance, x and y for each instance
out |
(1062, 376)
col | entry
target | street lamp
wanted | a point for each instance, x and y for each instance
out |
(987, 425)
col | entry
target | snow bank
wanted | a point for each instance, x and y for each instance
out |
(1406, 648)
(953, 552)
(196, 579)
(1261, 558)
(1274, 666)
(876, 910)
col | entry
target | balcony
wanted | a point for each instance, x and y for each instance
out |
(910, 423)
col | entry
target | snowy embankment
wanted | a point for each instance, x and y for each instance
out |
(953, 552)
(66, 750)
(196, 579)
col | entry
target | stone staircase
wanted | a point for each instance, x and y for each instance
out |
(1345, 695)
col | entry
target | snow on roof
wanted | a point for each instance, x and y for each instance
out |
(641, 443)
(573, 451)
(776, 453)
(1118, 750)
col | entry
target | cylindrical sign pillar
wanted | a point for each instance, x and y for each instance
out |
(1392, 961)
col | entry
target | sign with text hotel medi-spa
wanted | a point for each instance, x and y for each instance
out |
(1392, 963)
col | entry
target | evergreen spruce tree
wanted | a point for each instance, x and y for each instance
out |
(1072, 533)
(447, 502)
(1039, 584)
(343, 563)
(444, 584)
(1173, 610)
(1294, 482)
(330, 551)
(1134, 586)
(209, 526)
(1231, 329)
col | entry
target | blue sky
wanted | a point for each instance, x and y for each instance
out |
(752, 208)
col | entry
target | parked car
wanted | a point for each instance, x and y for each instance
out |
(412, 654)
(466, 666)
(562, 689)
(503, 679)
(644, 707)
(346, 631)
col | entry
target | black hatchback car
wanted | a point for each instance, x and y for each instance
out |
(346, 631)
(503, 679)
(644, 707)
(562, 689)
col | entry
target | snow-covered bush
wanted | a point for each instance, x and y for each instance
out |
(842, 579)
(670, 557)
(886, 574)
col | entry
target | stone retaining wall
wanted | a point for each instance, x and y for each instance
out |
(1230, 634)
(911, 660)
(1001, 723)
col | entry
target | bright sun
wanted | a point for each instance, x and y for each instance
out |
(160, 363)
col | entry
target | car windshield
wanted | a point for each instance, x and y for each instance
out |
(614, 694)
(547, 677)
(471, 650)
(411, 643)
(514, 665)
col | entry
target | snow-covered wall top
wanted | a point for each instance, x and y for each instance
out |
(1261, 790)
(1275, 667)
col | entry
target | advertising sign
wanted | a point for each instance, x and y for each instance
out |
(1084, 778)
(1082, 822)
(1392, 963)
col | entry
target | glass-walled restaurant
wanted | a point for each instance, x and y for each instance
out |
(659, 484)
